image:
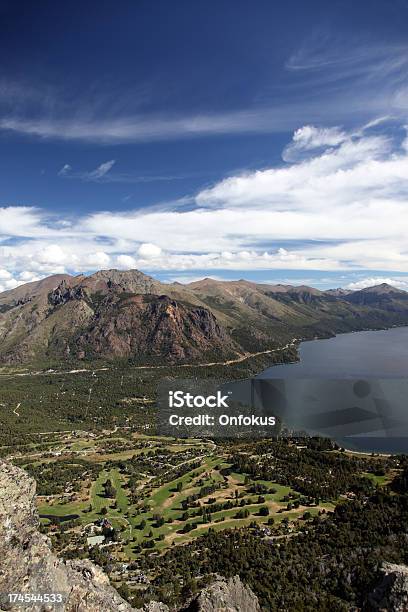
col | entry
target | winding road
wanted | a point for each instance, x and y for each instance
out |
(238, 359)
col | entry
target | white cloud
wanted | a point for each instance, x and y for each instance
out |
(342, 208)
(5, 275)
(65, 170)
(310, 137)
(10, 284)
(327, 79)
(94, 175)
(101, 170)
(53, 254)
(28, 276)
(149, 251)
(99, 259)
(341, 175)
(140, 129)
(22, 221)
(126, 262)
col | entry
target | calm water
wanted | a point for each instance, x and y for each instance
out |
(374, 354)
(362, 355)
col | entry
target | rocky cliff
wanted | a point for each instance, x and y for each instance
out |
(226, 596)
(28, 565)
(391, 594)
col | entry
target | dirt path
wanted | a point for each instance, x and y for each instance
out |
(239, 359)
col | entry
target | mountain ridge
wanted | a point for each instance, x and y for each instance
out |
(115, 314)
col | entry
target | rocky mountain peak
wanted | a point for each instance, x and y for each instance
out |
(132, 281)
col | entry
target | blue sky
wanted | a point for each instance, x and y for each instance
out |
(230, 139)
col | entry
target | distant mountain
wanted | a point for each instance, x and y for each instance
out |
(382, 296)
(128, 315)
(339, 292)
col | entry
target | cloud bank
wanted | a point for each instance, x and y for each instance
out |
(338, 203)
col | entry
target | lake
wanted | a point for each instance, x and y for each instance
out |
(373, 354)
(370, 355)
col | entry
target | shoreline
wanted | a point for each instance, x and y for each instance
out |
(299, 360)
(368, 453)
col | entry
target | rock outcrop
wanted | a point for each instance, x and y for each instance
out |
(226, 596)
(391, 594)
(28, 565)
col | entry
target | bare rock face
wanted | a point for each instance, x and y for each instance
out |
(150, 325)
(154, 606)
(27, 564)
(226, 596)
(391, 594)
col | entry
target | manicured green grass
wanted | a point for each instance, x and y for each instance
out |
(377, 480)
(161, 494)
(166, 501)
(232, 524)
(97, 500)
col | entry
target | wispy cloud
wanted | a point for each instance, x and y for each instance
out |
(309, 137)
(96, 175)
(65, 170)
(101, 170)
(103, 174)
(149, 128)
(325, 81)
(331, 57)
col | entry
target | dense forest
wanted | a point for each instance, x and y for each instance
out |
(96, 399)
(315, 474)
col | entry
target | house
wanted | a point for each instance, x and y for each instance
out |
(263, 531)
(104, 523)
(138, 578)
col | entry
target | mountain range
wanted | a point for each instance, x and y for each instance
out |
(129, 315)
